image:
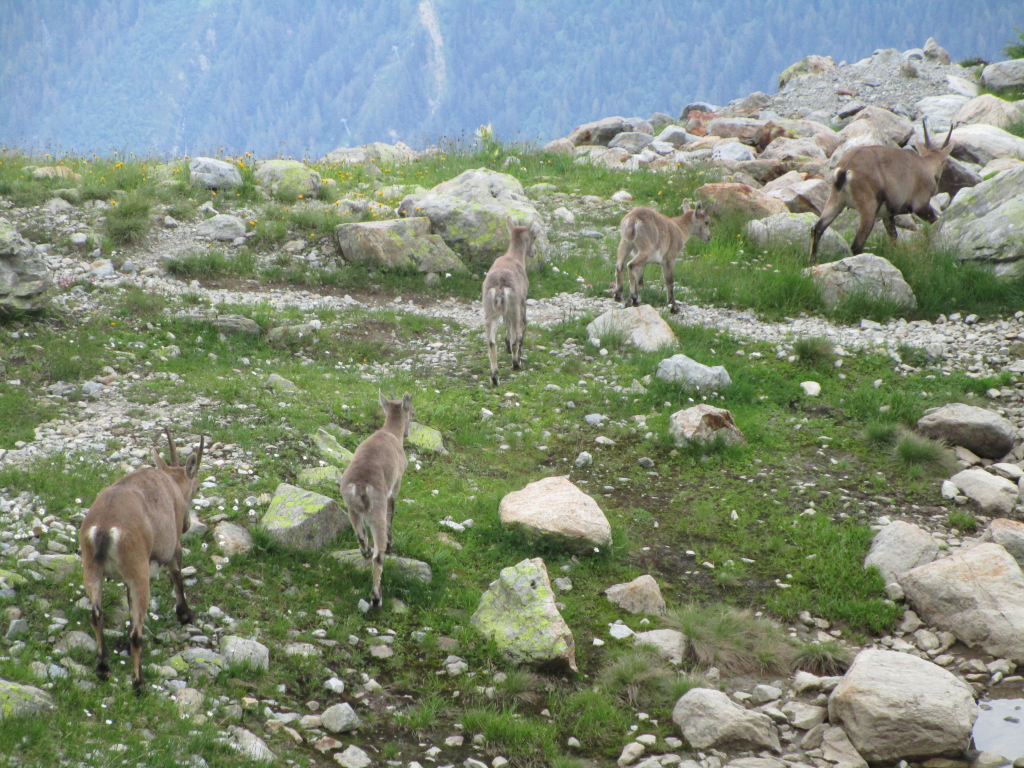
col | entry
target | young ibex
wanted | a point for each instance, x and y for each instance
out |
(131, 531)
(505, 290)
(372, 481)
(656, 239)
(883, 180)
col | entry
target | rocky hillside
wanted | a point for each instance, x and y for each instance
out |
(725, 537)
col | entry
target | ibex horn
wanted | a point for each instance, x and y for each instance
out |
(173, 452)
(202, 443)
(927, 139)
(948, 135)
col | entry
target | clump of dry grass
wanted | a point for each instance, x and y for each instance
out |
(735, 641)
(827, 658)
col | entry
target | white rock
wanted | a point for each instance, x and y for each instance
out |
(703, 424)
(642, 327)
(709, 718)
(811, 388)
(680, 369)
(670, 643)
(352, 757)
(899, 547)
(555, 509)
(990, 494)
(641, 595)
(340, 718)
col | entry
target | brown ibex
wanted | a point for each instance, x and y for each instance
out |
(371, 482)
(656, 239)
(505, 289)
(131, 531)
(883, 180)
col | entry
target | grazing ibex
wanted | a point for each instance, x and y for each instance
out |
(505, 290)
(131, 531)
(372, 481)
(656, 239)
(883, 180)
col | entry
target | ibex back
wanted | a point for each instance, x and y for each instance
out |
(372, 481)
(135, 525)
(505, 289)
(654, 238)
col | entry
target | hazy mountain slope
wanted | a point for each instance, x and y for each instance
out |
(304, 76)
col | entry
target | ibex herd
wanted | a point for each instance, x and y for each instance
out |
(135, 525)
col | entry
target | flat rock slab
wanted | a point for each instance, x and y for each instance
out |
(554, 509)
(57, 567)
(518, 612)
(978, 595)
(251, 745)
(680, 369)
(239, 650)
(415, 569)
(641, 327)
(641, 595)
(331, 449)
(18, 700)
(708, 718)
(894, 706)
(898, 548)
(237, 325)
(303, 519)
(983, 432)
(990, 494)
(703, 424)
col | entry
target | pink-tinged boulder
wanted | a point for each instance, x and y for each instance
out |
(641, 595)
(703, 424)
(555, 510)
(724, 198)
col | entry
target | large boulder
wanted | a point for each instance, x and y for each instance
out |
(240, 650)
(710, 719)
(732, 152)
(377, 153)
(641, 595)
(989, 494)
(1003, 74)
(303, 519)
(883, 126)
(743, 128)
(703, 424)
(800, 194)
(56, 172)
(518, 612)
(1009, 534)
(978, 595)
(956, 175)
(469, 213)
(894, 706)
(898, 548)
(986, 222)
(18, 700)
(940, 109)
(398, 244)
(808, 66)
(210, 173)
(641, 327)
(288, 179)
(60, 568)
(983, 432)
(793, 230)
(724, 198)
(222, 227)
(795, 150)
(863, 274)
(981, 144)
(555, 510)
(604, 130)
(990, 110)
(633, 142)
(24, 276)
(414, 569)
(680, 369)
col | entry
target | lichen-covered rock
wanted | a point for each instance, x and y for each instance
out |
(1003, 74)
(288, 179)
(469, 213)
(414, 569)
(331, 449)
(641, 595)
(703, 424)
(710, 719)
(863, 274)
(320, 476)
(641, 327)
(199, 662)
(723, 198)
(425, 439)
(981, 431)
(240, 650)
(986, 222)
(377, 153)
(222, 227)
(210, 173)
(518, 612)
(57, 567)
(250, 745)
(793, 230)
(398, 244)
(24, 276)
(303, 519)
(898, 548)
(18, 700)
(553, 509)
(680, 369)
(807, 66)
(237, 325)
(894, 706)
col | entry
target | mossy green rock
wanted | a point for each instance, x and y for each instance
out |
(398, 244)
(809, 65)
(13, 579)
(425, 439)
(518, 612)
(288, 179)
(303, 519)
(17, 700)
(415, 569)
(331, 449)
(320, 475)
(57, 567)
(201, 662)
(178, 664)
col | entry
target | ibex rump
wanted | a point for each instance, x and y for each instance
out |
(371, 482)
(504, 296)
(133, 527)
(654, 238)
(883, 180)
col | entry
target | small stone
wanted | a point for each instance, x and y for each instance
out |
(630, 754)
(340, 718)
(811, 388)
(352, 757)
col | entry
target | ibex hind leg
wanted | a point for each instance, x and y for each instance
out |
(625, 246)
(670, 285)
(492, 348)
(138, 599)
(515, 321)
(185, 614)
(354, 507)
(94, 591)
(378, 528)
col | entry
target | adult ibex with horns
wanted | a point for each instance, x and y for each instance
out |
(131, 531)
(883, 180)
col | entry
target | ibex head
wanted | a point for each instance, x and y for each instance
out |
(397, 411)
(701, 223)
(186, 477)
(938, 154)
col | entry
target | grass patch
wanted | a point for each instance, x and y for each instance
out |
(733, 640)
(912, 450)
(963, 520)
(128, 220)
(823, 658)
(881, 434)
(213, 264)
(813, 350)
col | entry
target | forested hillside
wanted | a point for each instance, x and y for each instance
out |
(301, 77)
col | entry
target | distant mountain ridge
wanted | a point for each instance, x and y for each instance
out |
(301, 77)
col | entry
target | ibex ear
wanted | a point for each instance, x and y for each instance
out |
(160, 464)
(685, 206)
(192, 466)
(406, 402)
(509, 224)
(383, 400)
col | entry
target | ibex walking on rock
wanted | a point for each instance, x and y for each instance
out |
(505, 290)
(135, 525)
(654, 238)
(372, 481)
(883, 180)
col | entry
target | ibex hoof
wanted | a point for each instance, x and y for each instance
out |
(494, 379)
(517, 366)
(673, 309)
(186, 616)
(375, 602)
(102, 671)
(138, 686)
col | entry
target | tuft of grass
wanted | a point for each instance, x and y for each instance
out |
(515, 736)
(521, 686)
(912, 450)
(735, 641)
(128, 220)
(881, 434)
(813, 350)
(213, 264)
(1014, 49)
(827, 658)
(963, 520)
(635, 677)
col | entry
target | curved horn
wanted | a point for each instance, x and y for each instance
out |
(951, 127)
(173, 452)
(202, 444)
(156, 453)
(927, 138)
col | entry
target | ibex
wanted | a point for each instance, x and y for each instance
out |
(654, 238)
(505, 288)
(883, 180)
(131, 531)
(371, 482)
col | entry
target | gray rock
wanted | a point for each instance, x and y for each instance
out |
(292, 334)
(189, 701)
(680, 369)
(17, 628)
(935, 52)
(377, 153)
(303, 519)
(708, 718)
(211, 173)
(232, 539)
(894, 706)
(631, 141)
(239, 650)
(584, 459)
(18, 700)
(990, 494)
(1009, 534)
(232, 325)
(990, 110)
(352, 757)
(222, 228)
(804, 716)
(981, 431)
(986, 222)
(398, 244)
(864, 274)
(762, 694)
(287, 179)
(641, 327)
(669, 643)
(24, 276)
(898, 548)
(940, 109)
(981, 144)
(279, 384)
(553, 509)
(251, 745)
(340, 718)
(200, 661)
(642, 595)
(57, 567)
(675, 136)
(415, 569)
(1003, 74)
(837, 748)
(793, 230)
(703, 424)
(732, 151)
(76, 639)
(603, 131)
